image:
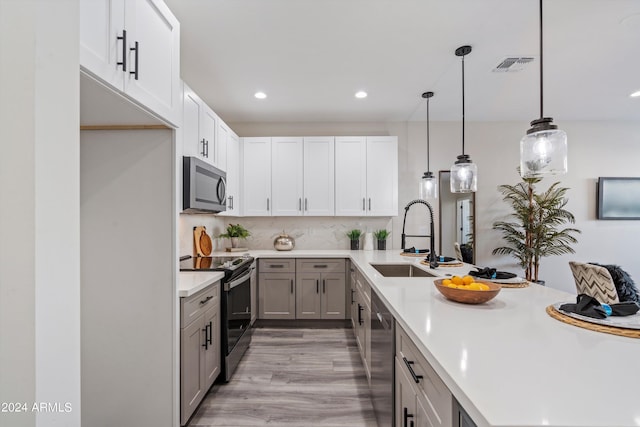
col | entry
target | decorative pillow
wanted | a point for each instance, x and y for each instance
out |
(626, 288)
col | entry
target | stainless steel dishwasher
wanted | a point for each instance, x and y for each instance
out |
(382, 356)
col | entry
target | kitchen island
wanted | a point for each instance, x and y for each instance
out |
(507, 362)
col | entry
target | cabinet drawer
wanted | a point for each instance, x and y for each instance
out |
(195, 305)
(326, 265)
(363, 286)
(426, 381)
(277, 265)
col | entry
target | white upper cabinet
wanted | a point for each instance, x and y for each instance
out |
(286, 176)
(382, 175)
(233, 176)
(351, 175)
(366, 176)
(319, 176)
(198, 128)
(256, 176)
(134, 47)
(223, 133)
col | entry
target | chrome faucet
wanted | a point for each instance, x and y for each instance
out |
(433, 259)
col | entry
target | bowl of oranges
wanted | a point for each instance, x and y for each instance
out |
(467, 289)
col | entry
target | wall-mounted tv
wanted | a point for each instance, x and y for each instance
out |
(618, 198)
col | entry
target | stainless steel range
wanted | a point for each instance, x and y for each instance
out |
(235, 317)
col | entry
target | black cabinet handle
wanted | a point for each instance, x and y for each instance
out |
(324, 287)
(352, 292)
(320, 266)
(405, 417)
(411, 423)
(124, 50)
(206, 334)
(210, 338)
(369, 203)
(291, 285)
(206, 300)
(317, 286)
(360, 308)
(416, 378)
(276, 266)
(135, 61)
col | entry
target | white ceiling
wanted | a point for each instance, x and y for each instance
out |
(311, 56)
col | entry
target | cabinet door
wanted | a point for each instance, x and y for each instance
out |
(333, 291)
(233, 176)
(101, 23)
(351, 175)
(405, 398)
(286, 176)
(308, 288)
(211, 352)
(382, 176)
(208, 134)
(276, 295)
(192, 144)
(153, 70)
(256, 176)
(192, 386)
(319, 176)
(222, 140)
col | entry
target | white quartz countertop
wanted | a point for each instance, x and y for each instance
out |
(507, 362)
(190, 282)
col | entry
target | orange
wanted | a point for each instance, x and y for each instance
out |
(484, 287)
(467, 280)
(457, 280)
(446, 282)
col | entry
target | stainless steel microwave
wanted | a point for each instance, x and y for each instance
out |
(203, 187)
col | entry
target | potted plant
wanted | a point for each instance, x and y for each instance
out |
(235, 232)
(354, 236)
(381, 236)
(536, 226)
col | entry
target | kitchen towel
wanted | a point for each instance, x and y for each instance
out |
(491, 273)
(588, 306)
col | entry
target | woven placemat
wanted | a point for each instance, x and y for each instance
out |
(458, 264)
(629, 333)
(513, 285)
(411, 254)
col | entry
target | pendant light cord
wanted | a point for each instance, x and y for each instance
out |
(463, 105)
(428, 144)
(541, 61)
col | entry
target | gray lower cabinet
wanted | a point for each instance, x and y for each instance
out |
(422, 399)
(320, 289)
(199, 347)
(460, 417)
(276, 288)
(361, 317)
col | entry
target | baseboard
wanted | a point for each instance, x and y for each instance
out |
(302, 323)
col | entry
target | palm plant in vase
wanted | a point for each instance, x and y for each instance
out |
(535, 229)
(235, 232)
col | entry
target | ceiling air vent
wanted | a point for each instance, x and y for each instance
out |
(513, 64)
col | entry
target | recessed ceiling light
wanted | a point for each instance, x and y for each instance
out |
(636, 94)
(361, 94)
(260, 95)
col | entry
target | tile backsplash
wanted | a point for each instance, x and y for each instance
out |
(308, 232)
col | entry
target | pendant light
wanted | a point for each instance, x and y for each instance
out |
(428, 183)
(464, 173)
(543, 150)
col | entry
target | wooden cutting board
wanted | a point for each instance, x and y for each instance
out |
(201, 241)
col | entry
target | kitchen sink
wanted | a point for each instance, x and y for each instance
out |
(401, 270)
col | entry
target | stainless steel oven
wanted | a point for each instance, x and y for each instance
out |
(235, 315)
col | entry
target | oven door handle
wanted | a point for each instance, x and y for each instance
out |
(238, 281)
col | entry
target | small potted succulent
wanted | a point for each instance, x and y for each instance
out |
(235, 232)
(381, 237)
(354, 236)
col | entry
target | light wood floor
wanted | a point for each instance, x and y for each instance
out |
(293, 377)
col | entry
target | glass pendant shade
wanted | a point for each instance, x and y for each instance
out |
(428, 186)
(464, 175)
(543, 150)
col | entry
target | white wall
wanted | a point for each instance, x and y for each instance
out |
(39, 210)
(595, 149)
